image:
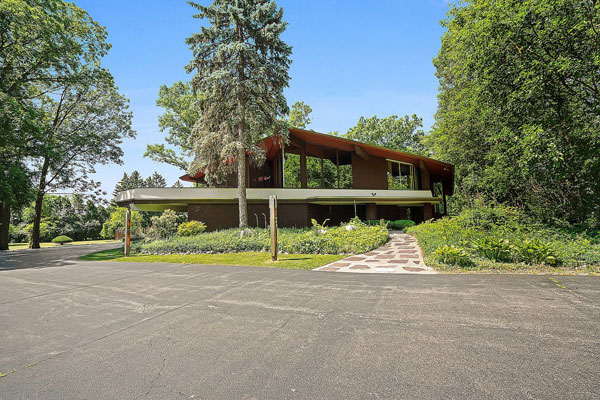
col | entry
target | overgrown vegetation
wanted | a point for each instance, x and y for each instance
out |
(499, 237)
(353, 238)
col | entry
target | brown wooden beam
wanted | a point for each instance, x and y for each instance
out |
(361, 153)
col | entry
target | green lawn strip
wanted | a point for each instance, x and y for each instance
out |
(20, 246)
(252, 259)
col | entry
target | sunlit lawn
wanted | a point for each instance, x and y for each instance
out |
(252, 259)
(20, 246)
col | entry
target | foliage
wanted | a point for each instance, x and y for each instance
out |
(17, 234)
(45, 234)
(495, 235)
(399, 224)
(334, 240)
(116, 223)
(165, 225)
(519, 106)
(69, 215)
(453, 255)
(494, 248)
(65, 114)
(191, 228)
(241, 67)
(62, 239)
(178, 120)
(402, 134)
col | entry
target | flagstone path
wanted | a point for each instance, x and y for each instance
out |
(401, 255)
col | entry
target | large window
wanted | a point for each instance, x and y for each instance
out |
(401, 175)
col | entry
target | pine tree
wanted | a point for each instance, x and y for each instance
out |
(241, 67)
(135, 181)
(156, 180)
(177, 184)
(122, 185)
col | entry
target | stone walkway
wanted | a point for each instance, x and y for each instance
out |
(401, 255)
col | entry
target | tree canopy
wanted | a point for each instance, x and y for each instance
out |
(519, 109)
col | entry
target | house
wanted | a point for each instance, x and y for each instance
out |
(384, 184)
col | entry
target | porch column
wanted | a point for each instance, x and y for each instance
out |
(322, 170)
(371, 211)
(337, 164)
(303, 180)
(427, 212)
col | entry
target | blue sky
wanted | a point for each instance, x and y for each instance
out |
(351, 58)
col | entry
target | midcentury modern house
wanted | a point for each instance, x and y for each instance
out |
(384, 184)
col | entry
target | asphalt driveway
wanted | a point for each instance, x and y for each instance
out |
(99, 330)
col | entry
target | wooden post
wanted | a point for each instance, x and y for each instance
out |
(127, 232)
(273, 212)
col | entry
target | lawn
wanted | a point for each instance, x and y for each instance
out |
(252, 259)
(20, 246)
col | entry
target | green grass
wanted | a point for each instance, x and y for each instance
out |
(252, 259)
(20, 246)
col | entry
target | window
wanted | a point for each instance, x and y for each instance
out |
(401, 175)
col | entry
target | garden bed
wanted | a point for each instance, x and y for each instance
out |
(499, 239)
(349, 239)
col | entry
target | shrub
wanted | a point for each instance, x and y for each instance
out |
(164, 225)
(452, 255)
(190, 228)
(332, 240)
(399, 224)
(16, 234)
(62, 239)
(536, 252)
(116, 222)
(494, 249)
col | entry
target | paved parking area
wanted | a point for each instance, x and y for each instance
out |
(101, 330)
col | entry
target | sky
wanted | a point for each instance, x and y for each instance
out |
(351, 58)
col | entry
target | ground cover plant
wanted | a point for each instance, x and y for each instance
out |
(352, 238)
(500, 238)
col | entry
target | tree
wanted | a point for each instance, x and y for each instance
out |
(519, 105)
(135, 181)
(156, 180)
(36, 56)
(181, 114)
(83, 127)
(299, 115)
(241, 67)
(402, 134)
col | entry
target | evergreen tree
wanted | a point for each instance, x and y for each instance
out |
(135, 181)
(241, 67)
(156, 180)
(177, 184)
(122, 185)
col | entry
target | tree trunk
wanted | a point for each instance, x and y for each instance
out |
(243, 206)
(35, 232)
(4, 223)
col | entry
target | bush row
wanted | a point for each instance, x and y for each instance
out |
(352, 238)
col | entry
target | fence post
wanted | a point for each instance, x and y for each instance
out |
(127, 232)
(273, 212)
